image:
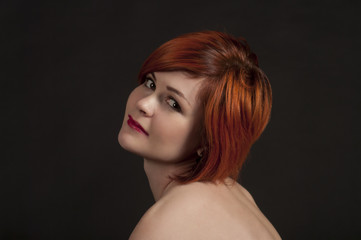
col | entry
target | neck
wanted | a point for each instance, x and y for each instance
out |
(159, 173)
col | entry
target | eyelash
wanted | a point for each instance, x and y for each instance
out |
(149, 83)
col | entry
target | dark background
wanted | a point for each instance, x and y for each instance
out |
(68, 66)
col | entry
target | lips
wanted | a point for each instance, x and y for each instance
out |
(136, 126)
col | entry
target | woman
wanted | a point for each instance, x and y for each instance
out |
(201, 104)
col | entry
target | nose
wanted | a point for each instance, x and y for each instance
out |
(146, 106)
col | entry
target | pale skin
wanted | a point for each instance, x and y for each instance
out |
(199, 210)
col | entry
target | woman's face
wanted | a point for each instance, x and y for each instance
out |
(163, 118)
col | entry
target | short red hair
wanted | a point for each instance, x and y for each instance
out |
(236, 97)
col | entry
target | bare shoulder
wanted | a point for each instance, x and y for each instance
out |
(174, 216)
(199, 211)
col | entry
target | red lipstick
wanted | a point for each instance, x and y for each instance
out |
(136, 126)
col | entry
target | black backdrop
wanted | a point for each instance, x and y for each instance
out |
(66, 71)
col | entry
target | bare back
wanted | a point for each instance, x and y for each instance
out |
(205, 211)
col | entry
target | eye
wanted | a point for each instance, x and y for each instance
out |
(173, 104)
(149, 83)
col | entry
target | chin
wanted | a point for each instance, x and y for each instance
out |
(128, 143)
(123, 141)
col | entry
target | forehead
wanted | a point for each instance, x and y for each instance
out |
(182, 82)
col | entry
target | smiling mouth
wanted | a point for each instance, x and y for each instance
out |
(136, 126)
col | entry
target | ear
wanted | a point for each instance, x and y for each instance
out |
(200, 152)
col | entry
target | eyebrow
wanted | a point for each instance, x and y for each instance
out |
(173, 90)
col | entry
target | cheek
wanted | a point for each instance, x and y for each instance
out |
(131, 103)
(132, 99)
(176, 136)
